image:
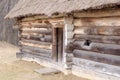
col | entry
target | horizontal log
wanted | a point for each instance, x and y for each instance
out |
(38, 19)
(36, 42)
(36, 49)
(38, 31)
(28, 34)
(92, 74)
(97, 67)
(35, 53)
(103, 30)
(36, 45)
(98, 38)
(31, 36)
(103, 58)
(32, 28)
(101, 48)
(34, 25)
(43, 38)
(109, 21)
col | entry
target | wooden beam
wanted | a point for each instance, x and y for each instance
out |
(98, 38)
(108, 21)
(97, 67)
(111, 49)
(36, 42)
(94, 30)
(35, 53)
(94, 56)
(36, 49)
(54, 44)
(92, 74)
(68, 21)
(36, 45)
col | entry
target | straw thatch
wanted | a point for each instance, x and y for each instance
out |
(49, 7)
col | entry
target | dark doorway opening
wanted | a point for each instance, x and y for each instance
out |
(59, 44)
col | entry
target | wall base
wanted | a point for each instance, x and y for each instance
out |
(46, 63)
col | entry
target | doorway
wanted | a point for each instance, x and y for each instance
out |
(58, 44)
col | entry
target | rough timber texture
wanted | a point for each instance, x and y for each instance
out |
(49, 7)
(6, 32)
(103, 33)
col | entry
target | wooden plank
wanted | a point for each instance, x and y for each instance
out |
(98, 38)
(38, 31)
(94, 56)
(29, 51)
(42, 46)
(43, 38)
(101, 48)
(35, 42)
(97, 67)
(33, 57)
(92, 74)
(32, 28)
(108, 21)
(34, 25)
(54, 45)
(42, 20)
(102, 30)
(46, 51)
(47, 71)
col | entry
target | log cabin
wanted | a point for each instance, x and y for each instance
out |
(81, 37)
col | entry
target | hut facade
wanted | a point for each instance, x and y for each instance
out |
(77, 36)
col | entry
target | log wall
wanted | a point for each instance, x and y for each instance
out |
(35, 37)
(97, 39)
(39, 37)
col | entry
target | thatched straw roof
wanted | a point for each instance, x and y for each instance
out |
(49, 7)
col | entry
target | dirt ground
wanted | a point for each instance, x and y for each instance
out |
(13, 69)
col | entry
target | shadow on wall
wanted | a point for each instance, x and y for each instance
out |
(7, 33)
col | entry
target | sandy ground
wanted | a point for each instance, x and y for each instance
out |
(13, 69)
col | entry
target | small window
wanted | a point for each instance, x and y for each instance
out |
(87, 43)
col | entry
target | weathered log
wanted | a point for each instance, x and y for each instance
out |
(54, 45)
(96, 66)
(98, 38)
(43, 38)
(109, 21)
(35, 34)
(35, 25)
(103, 30)
(90, 74)
(36, 42)
(103, 58)
(38, 31)
(101, 48)
(31, 36)
(37, 19)
(32, 28)
(36, 45)
(35, 53)
(36, 49)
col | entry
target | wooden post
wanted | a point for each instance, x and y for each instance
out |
(67, 37)
(54, 46)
